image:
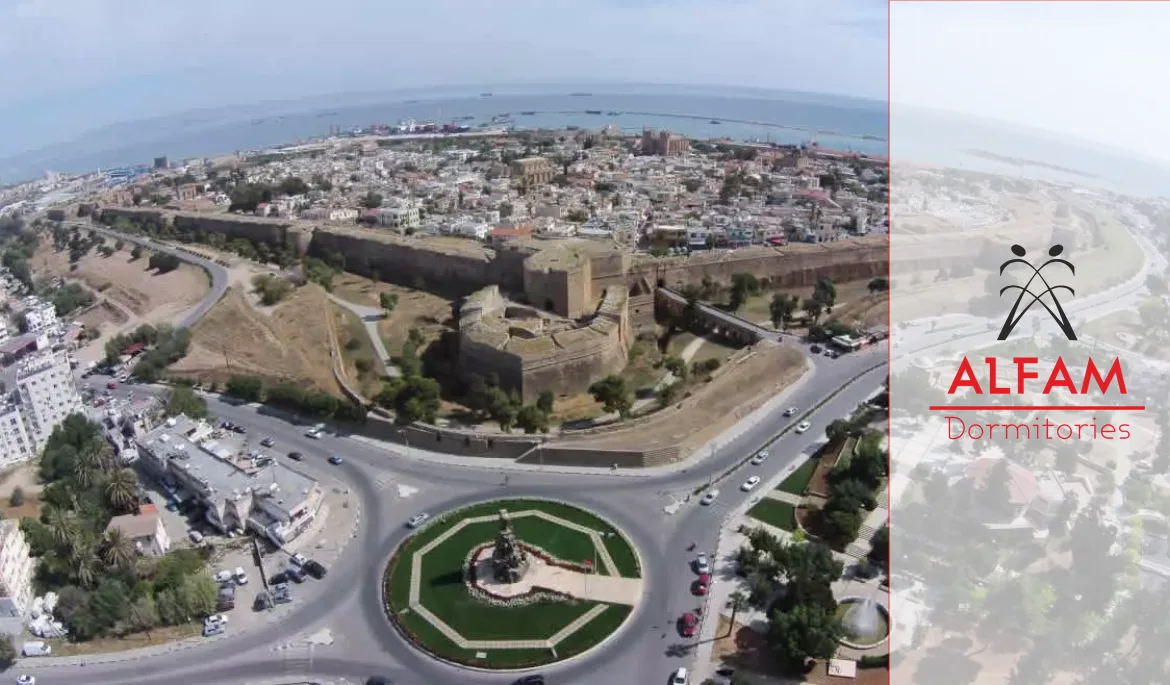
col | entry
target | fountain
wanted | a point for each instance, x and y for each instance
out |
(866, 623)
(509, 560)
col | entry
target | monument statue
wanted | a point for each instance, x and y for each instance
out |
(509, 560)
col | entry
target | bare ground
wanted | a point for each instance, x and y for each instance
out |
(735, 392)
(354, 344)
(291, 343)
(854, 303)
(153, 297)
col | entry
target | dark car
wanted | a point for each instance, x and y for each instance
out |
(236, 428)
(267, 442)
(278, 578)
(378, 680)
(314, 569)
(335, 460)
(296, 456)
(530, 680)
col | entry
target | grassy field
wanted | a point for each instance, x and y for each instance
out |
(773, 512)
(798, 480)
(442, 590)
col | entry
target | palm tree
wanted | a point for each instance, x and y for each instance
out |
(736, 601)
(122, 490)
(86, 469)
(63, 526)
(118, 550)
(85, 562)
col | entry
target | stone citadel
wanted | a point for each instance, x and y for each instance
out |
(540, 314)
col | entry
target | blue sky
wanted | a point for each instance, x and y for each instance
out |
(68, 66)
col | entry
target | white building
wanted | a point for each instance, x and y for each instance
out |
(15, 444)
(40, 316)
(47, 393)
(16, 572)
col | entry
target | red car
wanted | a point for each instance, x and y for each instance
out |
(687, 624)
(700, 586)
(112, 385)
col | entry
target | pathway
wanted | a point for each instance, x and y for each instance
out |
(687, 354)
(787, 497)
(370, 317)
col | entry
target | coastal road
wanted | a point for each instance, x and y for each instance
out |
(348, 604)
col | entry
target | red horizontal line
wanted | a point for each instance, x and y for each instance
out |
(1039, 407)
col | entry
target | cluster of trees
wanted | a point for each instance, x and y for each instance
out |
(372, 200)
(743, 286)
(489, 401)
(164, 262)
(272, 289)
(388, 301)
(182, 399)
(677, 366)
(823, 298)
(412, 396)
(69, 298)
(165, 346)
(19, 246)
(853, 486)
(793, 583)
(104, 588)
(614, 394)
(311, 402)
(322, 272)
(246, 197)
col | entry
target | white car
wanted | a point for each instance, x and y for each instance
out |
(760, 458)
(791, 411)
(679, 677)
(195, 536)
(417, 520)
(224, 576)
(803, 426)
(314, 433)
(709, 497)
(750, 483)
(241, 576)
(299, 559)
(702, 565)
(26, 680)
(215, 619)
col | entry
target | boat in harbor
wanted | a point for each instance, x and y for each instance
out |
(527, 114)
(580, 95)
(593, 111)
(485, 95)
(613, 113)
(716, 121)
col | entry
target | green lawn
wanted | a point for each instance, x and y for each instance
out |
(442, 590)
(775, 513)
(798, 480)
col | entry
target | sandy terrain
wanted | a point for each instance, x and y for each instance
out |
(854, 303)
(429, 313)
(292, 343)
(734, 393)
(154, 298)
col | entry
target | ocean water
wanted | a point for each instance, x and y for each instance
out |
(834, 123)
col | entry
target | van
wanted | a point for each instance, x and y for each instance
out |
(36, 648)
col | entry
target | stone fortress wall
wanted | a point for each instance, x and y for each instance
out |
(532, 351)
(587, 299)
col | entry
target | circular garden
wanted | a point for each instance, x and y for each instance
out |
(574, 581)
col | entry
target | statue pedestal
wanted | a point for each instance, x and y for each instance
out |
(485, 575)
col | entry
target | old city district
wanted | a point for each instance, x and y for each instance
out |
(546, 304)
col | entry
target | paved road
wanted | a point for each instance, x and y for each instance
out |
(370, 317)
(348, 601)
(218, 274)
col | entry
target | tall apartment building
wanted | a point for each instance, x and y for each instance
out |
(39, 316)
(15, 444)
(16, 572)
(47, 394)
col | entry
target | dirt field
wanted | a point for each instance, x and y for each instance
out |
(429, 313)
(709, 409)
(154, 298)
(25, 478)
(355, 345)
(854, 303)
(292, 343)
(105, 313)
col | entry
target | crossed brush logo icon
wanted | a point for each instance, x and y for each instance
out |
(1016, 313)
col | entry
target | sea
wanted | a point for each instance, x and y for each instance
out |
(835, 123)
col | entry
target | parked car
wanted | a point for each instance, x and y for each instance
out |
(237, 428)
(750, 483)
(36, 648)
(709, 497)
(803, 426)
(226, 600)
(224, 576)
(26, 680)
(530, 680)
(378, 680)
(267, 442)
(195, 536)
(687, 624)
(314, 569)
(112, 385)
(700, 588)
(295, 573)
(791, 411)
(296, 456)
(417, 520)
(760, 458)
(702, 565)
(335, 460)
(240, 576)
(679, 677)
(210, 629)
(281, 593)
(263, 602)
(298, 560)
(315, 432)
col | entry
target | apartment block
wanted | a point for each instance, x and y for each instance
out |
(16, 572)
(47, 394)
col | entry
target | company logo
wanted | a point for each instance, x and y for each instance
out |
(1016, 313)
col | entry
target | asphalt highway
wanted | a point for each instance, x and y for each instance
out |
(348, 601)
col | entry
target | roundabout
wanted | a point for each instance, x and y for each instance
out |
(512, 584)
